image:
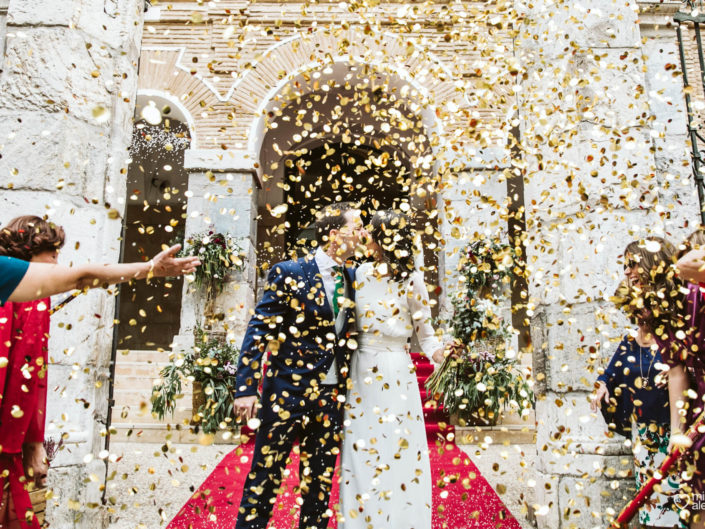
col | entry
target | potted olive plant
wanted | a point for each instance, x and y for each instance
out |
(210, 366)
(481, 379)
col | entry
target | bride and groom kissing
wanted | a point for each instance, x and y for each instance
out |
(341, 380)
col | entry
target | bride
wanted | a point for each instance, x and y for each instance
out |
(386, 474)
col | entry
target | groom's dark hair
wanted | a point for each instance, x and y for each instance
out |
(332, 217)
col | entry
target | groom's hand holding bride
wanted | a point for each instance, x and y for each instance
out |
(245, 407)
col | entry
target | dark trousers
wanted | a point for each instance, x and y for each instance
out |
(318, 433)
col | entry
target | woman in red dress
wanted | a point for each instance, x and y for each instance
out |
(679, 328)
(24, 333)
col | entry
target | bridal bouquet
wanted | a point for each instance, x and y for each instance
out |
(210, 366)
(476, 383)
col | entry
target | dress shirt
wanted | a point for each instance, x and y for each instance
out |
(326, 266)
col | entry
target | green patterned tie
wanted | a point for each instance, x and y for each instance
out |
(339, 291)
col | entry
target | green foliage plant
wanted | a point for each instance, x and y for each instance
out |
(210, 366)
(480, 378)
(219, 254)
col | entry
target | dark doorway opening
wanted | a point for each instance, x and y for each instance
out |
(371, 177)
(150, 312)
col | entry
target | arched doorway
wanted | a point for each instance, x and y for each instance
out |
(344, 132)
(335, 172)
(149, 312)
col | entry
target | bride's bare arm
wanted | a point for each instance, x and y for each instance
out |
(420, 307)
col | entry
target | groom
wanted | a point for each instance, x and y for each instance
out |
(307, 310)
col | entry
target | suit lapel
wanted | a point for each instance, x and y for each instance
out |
(350, 293)
(314, 279)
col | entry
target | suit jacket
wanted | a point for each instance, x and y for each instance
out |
(24, 332)
(295, 312)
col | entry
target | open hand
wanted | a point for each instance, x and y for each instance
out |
(165, 264)
(602, 393)
(661, 380)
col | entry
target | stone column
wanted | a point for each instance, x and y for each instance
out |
(590, 129)
(67, 90)
(222, 196)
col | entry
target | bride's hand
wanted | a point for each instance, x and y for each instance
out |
(438, 355)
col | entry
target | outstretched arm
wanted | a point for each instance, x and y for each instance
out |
(678, 384)
(42, 280)
(420, 307)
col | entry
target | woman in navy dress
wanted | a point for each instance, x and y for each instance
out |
(634, 383)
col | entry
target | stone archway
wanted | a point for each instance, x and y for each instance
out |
(344, 131)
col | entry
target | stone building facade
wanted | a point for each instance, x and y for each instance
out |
(561, 122)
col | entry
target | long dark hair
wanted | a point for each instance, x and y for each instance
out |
(660, 300)
(392, 231)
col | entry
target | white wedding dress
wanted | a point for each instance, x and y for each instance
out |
(386, 474)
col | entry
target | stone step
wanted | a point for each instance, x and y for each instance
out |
(146, 356)
(505, 434)
(515, 419)
(130, 397)
(135, 383)
(135, 417)
(158, 433)
(138, 369)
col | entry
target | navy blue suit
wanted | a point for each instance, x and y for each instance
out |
(295, 404)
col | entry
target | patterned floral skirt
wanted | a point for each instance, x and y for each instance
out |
(650, 448)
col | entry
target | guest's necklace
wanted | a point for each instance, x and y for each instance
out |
(645, 379)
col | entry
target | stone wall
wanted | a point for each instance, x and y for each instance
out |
(603, 133)
(67, 91)
(222, 195)
(603, 140)
(3, 24)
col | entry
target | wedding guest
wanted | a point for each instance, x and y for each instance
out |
(681, 335)
(24, 331)
(29, 274)
(633, 394)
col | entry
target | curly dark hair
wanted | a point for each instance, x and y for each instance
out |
(659, 299)
(393, 233)
(26, 236)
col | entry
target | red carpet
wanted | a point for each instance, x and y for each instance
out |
(462, 498)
